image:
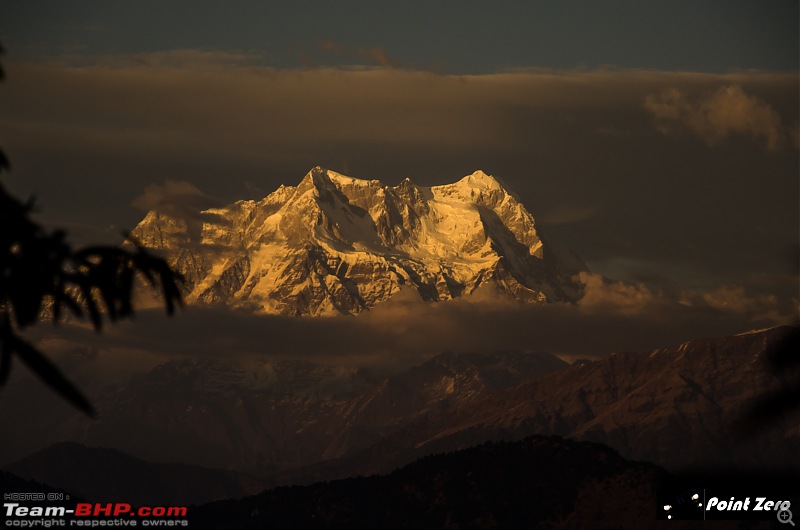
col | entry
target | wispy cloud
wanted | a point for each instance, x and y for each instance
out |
(374, 56)
(197, 60)
(179, 199)
(378, 55)
(727, 112)
(737, 300)
(326, 54)
(332, 47)
(602, 294)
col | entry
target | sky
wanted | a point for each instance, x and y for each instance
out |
(657, 140)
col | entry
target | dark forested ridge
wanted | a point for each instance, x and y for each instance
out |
(539, 482)
(108, 475)
(536, 483)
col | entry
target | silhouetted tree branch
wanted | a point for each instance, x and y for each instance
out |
(40, 272)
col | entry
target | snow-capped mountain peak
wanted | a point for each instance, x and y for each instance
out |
(480, 180)
(337, 244)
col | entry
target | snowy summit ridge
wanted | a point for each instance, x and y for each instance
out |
(339, 245)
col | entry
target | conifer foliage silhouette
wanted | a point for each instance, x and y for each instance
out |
(41, 274)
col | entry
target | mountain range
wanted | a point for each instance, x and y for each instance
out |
(262, 417)
(334, 244)
(297, 423)
(698, 405)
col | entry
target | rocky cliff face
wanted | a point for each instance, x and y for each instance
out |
(339, 245)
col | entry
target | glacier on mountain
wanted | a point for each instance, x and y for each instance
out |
(340, 245)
